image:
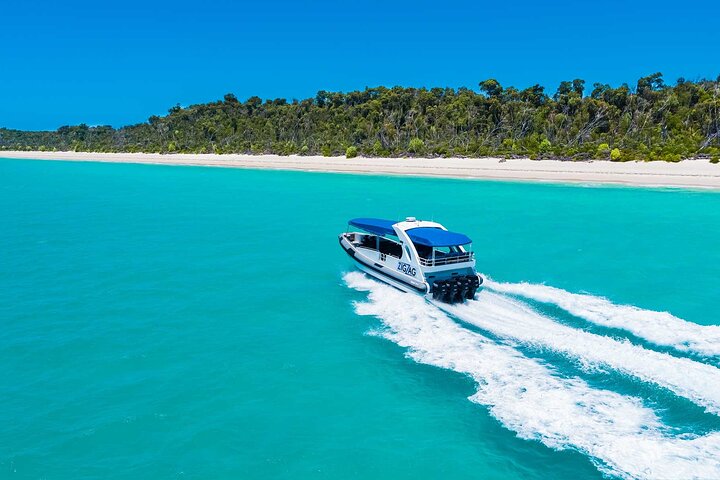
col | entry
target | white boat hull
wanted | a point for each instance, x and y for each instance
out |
(390, 281)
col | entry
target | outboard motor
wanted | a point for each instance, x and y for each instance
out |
(474, 281)
(440, 291)
(465, 286)
(456, 289)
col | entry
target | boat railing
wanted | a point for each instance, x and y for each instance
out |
(447, 260)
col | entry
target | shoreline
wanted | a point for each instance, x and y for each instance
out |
(684, 174)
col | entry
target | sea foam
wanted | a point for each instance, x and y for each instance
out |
(511, 319)
(617, 432)
(660, 328)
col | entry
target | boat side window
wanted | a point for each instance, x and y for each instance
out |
(407, 250)
(389, 247)
(369, 241)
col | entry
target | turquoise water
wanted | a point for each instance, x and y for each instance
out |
(174, 322)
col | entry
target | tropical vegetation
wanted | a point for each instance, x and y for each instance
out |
(648, 121)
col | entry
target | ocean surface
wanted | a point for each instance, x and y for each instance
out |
(193, 323)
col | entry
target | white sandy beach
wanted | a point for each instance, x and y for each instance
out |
(688, 173)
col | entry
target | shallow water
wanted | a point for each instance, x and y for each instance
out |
(198, 322)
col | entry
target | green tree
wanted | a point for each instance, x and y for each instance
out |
(491, 87)
(416, 146)
(545, 146)
(603, 150)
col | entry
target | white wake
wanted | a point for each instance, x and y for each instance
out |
(620, 434)
(660, 328)
(513, 320)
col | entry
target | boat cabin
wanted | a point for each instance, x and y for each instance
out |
(431, 246)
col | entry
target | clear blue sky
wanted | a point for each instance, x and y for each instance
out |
(120, 62)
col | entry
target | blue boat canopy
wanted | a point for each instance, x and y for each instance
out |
(437, 237)
(378, 226)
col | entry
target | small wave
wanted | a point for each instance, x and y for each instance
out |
(620, 435)
(513, 320)
(660, 328)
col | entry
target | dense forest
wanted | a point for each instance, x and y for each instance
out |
(649, 121)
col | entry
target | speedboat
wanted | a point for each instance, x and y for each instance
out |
(414, 256)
